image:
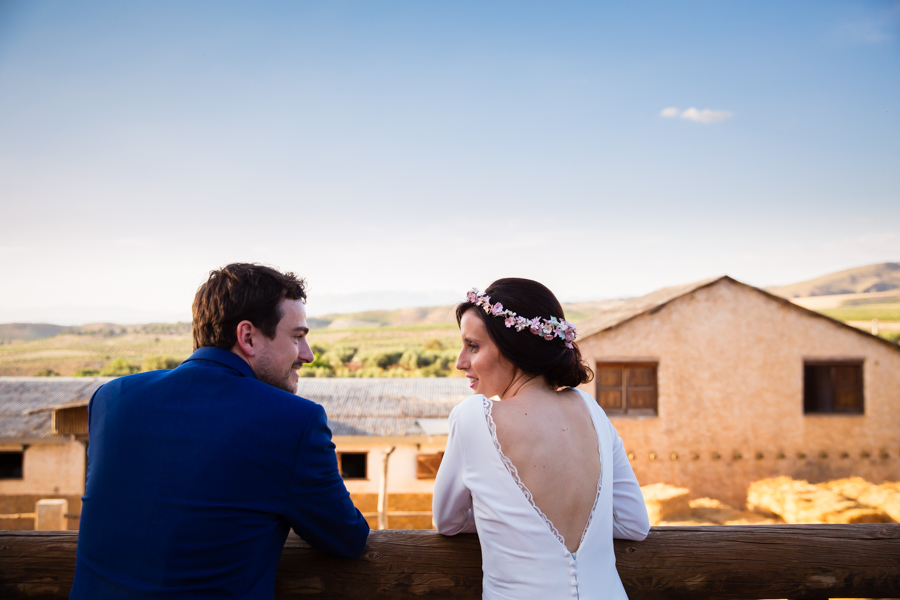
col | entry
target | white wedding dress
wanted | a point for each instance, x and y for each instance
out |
(478, 490)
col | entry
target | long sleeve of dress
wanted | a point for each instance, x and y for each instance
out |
(452, 500)
(630, 521)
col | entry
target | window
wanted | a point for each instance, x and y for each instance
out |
(627, 388)
(353, 465)
(833, 387)
(11, 465)
(427, 465)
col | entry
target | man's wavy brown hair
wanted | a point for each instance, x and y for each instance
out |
(241, 292)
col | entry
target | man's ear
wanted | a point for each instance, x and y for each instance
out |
(245, 342)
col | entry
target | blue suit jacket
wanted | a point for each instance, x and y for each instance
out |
(194, 477)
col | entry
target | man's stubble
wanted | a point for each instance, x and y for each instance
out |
(267, 372)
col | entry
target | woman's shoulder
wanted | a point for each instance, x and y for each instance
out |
(468, 411)
(472, 404)
(598, 413)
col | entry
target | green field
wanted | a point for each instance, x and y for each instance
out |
(867, 312)
(117, 351)
(380, 344)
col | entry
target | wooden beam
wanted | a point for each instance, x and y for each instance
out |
(762, 561)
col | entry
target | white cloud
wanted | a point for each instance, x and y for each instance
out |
(705, 115)
(669, 113)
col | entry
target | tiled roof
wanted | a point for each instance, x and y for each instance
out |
(359, 407)
(654, 301)
(22, 398)
(383, 407)
(635, 307)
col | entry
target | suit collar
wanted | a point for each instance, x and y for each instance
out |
(223, 357)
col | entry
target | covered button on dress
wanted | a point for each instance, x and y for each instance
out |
(478, 489)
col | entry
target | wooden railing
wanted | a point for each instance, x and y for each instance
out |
(767, 561)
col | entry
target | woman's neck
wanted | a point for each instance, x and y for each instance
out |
(521, 383)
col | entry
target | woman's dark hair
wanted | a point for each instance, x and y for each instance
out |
(532, 354)
(241, 292)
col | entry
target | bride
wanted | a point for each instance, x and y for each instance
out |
(532, 463)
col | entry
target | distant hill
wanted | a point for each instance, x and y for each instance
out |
(25, 332)
(400, 317)
(433, 315)
(880, 277)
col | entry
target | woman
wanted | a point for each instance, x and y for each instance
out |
(533, 464)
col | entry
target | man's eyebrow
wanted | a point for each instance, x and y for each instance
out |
(300, 329)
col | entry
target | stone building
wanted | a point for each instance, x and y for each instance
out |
(712, 385)
(37, 462)
(716, 384)
(368, 418)
(44, 436)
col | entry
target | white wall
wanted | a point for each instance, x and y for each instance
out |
(51, 469)
(402, 466)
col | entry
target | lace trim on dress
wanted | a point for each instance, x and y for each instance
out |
(594, 507)
(488, 404)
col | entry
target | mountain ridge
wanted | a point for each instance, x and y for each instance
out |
(874, 279)
(878, 277)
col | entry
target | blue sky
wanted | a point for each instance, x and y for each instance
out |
(403, 152)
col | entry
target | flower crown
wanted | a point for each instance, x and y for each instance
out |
(547, 328)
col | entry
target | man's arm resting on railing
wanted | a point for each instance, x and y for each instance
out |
(318, 504)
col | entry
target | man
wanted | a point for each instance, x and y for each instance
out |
(196, 474)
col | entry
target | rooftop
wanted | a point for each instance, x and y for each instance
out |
(355, 407)
(25, 404)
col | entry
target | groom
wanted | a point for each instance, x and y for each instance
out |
(196, 474)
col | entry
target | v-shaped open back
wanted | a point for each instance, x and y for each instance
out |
(511, 468)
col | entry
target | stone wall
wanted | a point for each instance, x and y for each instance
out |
(49, 469)
(730, 385)
(24, 503)
(405, 502)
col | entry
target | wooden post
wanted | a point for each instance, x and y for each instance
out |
(382, 489)
(50, 515)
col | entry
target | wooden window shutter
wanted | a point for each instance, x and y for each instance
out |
(610, 387)
(627, 387)
(642, 387)
(427, 465)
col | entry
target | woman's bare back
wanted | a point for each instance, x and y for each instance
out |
(551, 440)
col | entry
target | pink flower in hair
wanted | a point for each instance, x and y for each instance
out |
(569, 345)
(549, 329)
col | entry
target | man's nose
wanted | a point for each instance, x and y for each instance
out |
(305, 355)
